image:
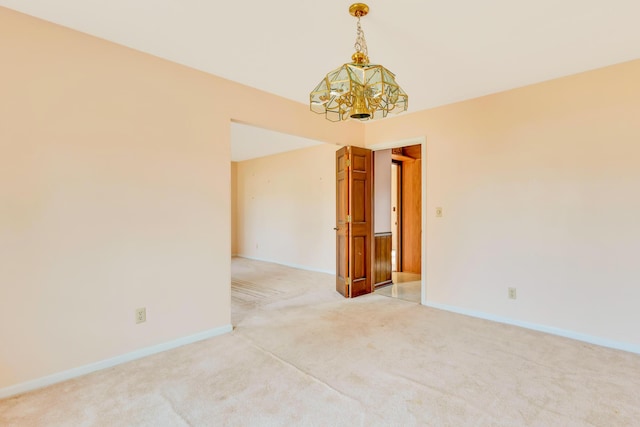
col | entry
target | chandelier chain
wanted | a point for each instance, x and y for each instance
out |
(361, 43)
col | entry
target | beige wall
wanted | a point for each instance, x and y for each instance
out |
(115, 194)
(540, 190)
(287, 208)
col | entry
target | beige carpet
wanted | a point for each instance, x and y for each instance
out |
(303, 356)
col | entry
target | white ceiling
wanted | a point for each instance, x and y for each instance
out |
(249, 142)
(440, 51)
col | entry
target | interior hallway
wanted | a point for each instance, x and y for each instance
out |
(300, 354)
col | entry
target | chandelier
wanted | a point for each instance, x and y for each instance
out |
(358, 90)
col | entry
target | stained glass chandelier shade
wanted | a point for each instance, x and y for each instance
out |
(358, 90)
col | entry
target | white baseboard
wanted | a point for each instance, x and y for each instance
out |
(632, 348)
(92, 367)
(286, 264)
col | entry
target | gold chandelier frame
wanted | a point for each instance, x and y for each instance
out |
(358, 90)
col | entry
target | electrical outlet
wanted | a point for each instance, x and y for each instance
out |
(141, 315)
(439, 212)
(512, 293)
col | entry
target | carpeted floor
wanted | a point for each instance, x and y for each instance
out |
(301, 355)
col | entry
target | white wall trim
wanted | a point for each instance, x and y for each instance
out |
(108, 363)
(541, 328)
(287, 264)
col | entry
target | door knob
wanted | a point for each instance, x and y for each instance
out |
(335, 228)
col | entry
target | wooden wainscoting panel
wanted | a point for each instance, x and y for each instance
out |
(382, 263)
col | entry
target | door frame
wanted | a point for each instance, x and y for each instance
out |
(399, 210)
(422, 140)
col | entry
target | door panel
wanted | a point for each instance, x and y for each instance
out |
(361, 161)
(360, 282)
(360, 264)
(358, 201)
(354, 221)
(342, 210)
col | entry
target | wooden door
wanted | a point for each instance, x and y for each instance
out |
(354, 221)
(412, 210)
(342, 226)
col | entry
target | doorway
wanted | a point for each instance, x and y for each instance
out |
(396, 215)
(398, 174)
(282, 209)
